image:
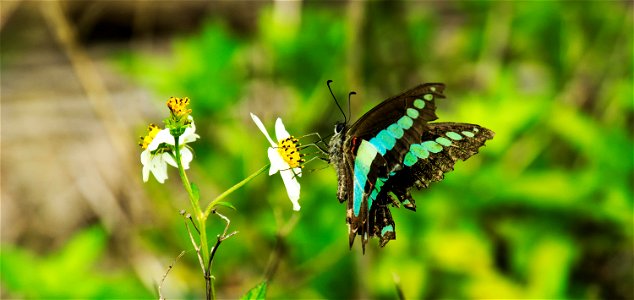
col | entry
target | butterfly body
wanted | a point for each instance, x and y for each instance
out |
(391, 149)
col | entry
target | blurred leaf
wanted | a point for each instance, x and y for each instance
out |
(257, 292)
(195, 191)
(225, 204)
(52, 276)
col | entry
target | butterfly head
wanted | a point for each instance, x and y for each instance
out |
(336, 141)
(339, 128)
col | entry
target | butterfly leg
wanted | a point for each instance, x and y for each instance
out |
(316, 143)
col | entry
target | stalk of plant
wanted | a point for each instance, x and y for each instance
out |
(206, 255)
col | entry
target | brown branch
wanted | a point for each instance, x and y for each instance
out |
(167, 272)
(221, 237)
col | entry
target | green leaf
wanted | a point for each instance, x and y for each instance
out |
(258, 292)
(195, 191)
(225, 204)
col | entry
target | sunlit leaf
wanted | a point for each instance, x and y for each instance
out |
(225, 204)
(257, 292)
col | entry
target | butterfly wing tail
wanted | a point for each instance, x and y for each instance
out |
(381, 222)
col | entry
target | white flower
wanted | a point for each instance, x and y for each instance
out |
(284, 157)
(156, 162)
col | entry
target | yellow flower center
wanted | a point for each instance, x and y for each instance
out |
(289, 150)
(178, 106)
(153, 130)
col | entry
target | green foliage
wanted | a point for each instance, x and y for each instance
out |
(75, 271)
(195, 191)
(257, 292)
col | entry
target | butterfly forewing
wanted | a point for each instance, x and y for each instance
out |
(392, 109)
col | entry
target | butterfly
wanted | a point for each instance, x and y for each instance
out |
(390, 149)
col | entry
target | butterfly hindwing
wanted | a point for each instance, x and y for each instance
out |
(441, 146)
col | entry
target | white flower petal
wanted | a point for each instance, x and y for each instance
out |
(277, 162)
(146, 165)
(145, 157)
(170, 160)
(280, 130)
(189, 135)
(163, 136)
(158, 168)
(292, 187)
(186, 157)
(257, 122)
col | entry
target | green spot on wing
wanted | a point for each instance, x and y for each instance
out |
(418, 103)
(405, 122)
(443, 141)
(387, 228)
(412, 113)
(454, 136)
(374, 194)
(432, 146)
(410, 159)
(395, 131)
(428, 97)
(387, 140)
(468, 134)
(380, 182)
(419, 151)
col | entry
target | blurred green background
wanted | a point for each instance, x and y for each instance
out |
(544, 211)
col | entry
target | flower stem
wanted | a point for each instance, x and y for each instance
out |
(199, 216)
(232, 189)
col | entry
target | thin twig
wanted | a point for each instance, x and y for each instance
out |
(221, 237)
(191, 237)
(189, 216)
(167, 272)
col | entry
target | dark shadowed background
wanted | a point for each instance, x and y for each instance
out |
(544, 211)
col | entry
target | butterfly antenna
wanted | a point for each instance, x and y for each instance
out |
(349, 97)
(345, 119)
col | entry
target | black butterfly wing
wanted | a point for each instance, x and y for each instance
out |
(371, 150)
(442, 145)
(392, 148)
(390, 110)
(465, 141)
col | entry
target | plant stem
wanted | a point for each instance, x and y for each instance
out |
(199, 216)
(209, 286)
(232, 189)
